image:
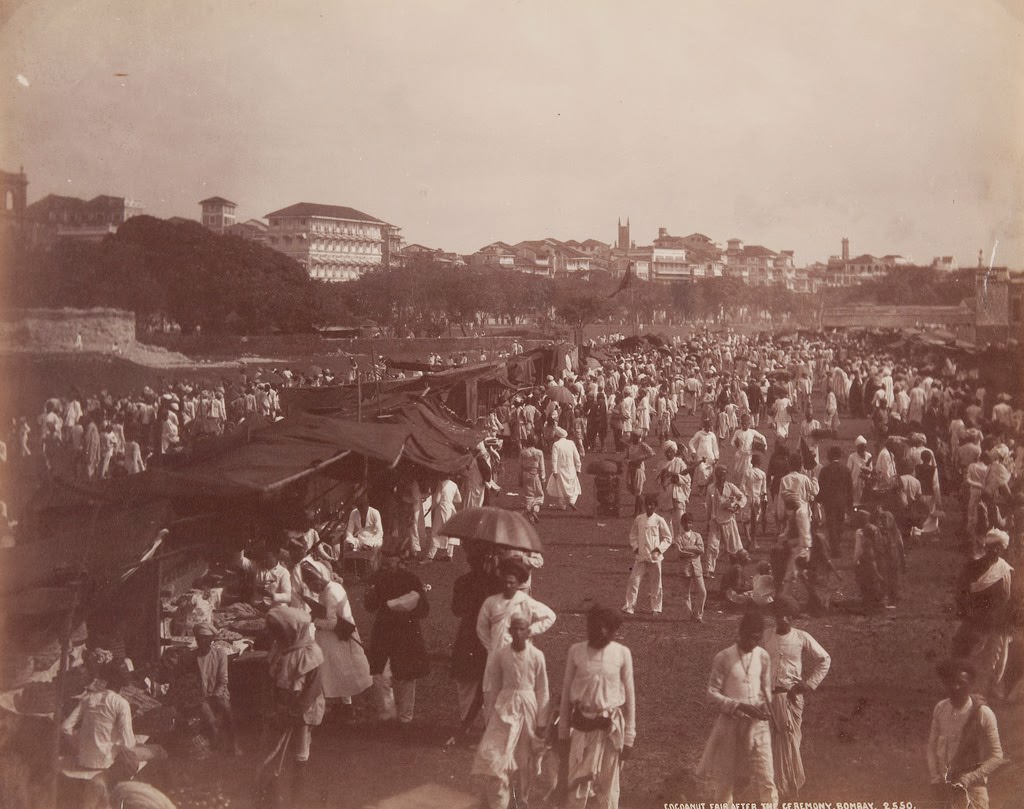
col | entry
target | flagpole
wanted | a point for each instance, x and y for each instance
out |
(632, 300)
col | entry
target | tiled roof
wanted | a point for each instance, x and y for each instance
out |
(216, 201)
(327, 211)
(56, 200)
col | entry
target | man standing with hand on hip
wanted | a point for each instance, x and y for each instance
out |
(787, 646)
(649, 537)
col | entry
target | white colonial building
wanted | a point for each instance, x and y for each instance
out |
(332, 242)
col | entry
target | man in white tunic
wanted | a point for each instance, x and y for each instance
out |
(677, 479)
(649, 537)
(597, 729)
(744, 440)
(740, 746)
(963, 745)
(704, 444)
(498, 610)
(859, 464)
(446, 498)
(782, 416)
(564, 483)
(787, 646)
(516, 706)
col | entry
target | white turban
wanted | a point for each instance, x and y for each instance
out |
(997, 537)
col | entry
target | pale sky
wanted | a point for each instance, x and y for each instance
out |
(793, 123)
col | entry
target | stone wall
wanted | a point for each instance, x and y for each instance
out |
(56, 330)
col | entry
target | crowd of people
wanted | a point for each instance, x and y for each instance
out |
(762, 506)
(947, 451)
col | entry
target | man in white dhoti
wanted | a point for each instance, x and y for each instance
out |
(516, 706)
(597, 729)
(564, 483)
(725, 501)
(740, 746)
(859, 462)
(498, 610)
(787, 646)
(782, 415)
(677, 479)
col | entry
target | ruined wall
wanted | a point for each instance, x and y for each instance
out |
(55, 330)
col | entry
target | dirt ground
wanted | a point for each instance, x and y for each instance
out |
(865, 728)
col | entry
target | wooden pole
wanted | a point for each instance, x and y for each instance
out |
(359, 394)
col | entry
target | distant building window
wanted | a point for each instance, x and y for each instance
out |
(1017, 309)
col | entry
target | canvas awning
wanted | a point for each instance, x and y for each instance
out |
(268, 459)
(435, 441)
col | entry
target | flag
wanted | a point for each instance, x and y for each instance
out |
(627, 279)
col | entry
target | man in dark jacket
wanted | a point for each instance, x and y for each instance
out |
(835, 494)
(399, 600)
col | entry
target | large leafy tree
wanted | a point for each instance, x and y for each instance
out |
(180, 271)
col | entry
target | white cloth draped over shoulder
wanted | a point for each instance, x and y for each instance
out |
(516, 704)
(345, 671)
(566, 465)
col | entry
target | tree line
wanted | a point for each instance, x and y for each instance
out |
(180, 272)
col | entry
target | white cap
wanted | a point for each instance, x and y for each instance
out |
(860, 441)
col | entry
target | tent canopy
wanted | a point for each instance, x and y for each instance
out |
(435, 441)
(267, 459)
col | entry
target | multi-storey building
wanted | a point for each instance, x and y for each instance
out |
(599, 252)
(843, 271)
(640, 260)
(332, 242)
(412, 252)
(254, 230)
(497, 254)
(750, 263)
(557, 257)
(393, 257)
(14, 191)
(218, 214)
(55, 217)
(685, 258)
(538, 257)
